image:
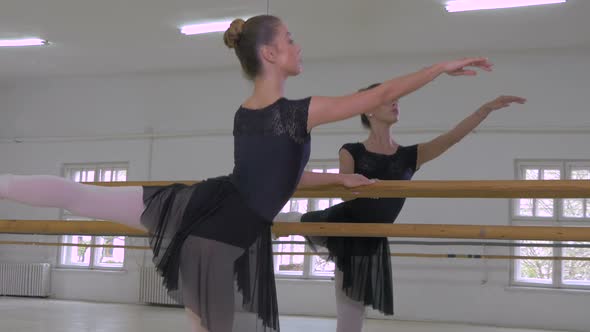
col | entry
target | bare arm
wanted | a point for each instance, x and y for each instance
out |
(330, 109)
(310, 179)
(439, 145)
(346, 162)
(346, 176)
(346, 165)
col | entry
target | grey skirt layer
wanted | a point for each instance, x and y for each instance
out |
(213, 249)
(365, 262)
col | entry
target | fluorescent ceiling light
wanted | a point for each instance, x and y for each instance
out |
(196, 29)
(466, 5)
(22, 42)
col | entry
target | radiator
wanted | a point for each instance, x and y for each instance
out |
(151, 289)
(20, 279)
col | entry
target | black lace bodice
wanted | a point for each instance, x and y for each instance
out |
(271, 149)
(399, 166)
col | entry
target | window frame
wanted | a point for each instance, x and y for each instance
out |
(557, 282)
(62, 251)
(312, 205)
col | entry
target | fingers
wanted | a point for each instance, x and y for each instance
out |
(469, 60)
(511, 99)
(519, 100)
(364, 181)
(463, 72)
(483, 63)
(357, 180)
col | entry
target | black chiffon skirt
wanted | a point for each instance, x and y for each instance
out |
(365, 262)
(216, 251)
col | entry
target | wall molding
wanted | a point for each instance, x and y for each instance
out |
(317, 132)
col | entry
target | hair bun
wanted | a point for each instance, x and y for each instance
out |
(232, 35)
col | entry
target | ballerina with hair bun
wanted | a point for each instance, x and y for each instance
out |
(212, 240)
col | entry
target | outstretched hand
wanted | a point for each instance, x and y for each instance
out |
(502, 102)
(460, 67)
(355, 180)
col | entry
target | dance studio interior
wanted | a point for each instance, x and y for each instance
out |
(494, 234)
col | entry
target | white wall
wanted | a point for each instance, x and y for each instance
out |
(103, 119)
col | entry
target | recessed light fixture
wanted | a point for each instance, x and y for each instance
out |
(22, 42)
(197, 29)
(467, 5)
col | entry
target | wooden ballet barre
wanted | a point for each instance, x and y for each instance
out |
(438, 231)
(66, 244)
(70, 227)
(323, 254)
(438, 189)
(461, 256)
(105, 228)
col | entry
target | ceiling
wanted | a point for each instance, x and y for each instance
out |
(125, 36)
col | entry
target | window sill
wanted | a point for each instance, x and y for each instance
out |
(287, 280)
(70, 269)
(547, 290)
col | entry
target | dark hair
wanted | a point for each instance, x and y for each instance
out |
(246, 37)
(364, 119)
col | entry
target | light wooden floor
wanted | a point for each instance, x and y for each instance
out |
(37, 315)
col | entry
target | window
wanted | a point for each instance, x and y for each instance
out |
(301, 266)
(557, 212)
(84, 256)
